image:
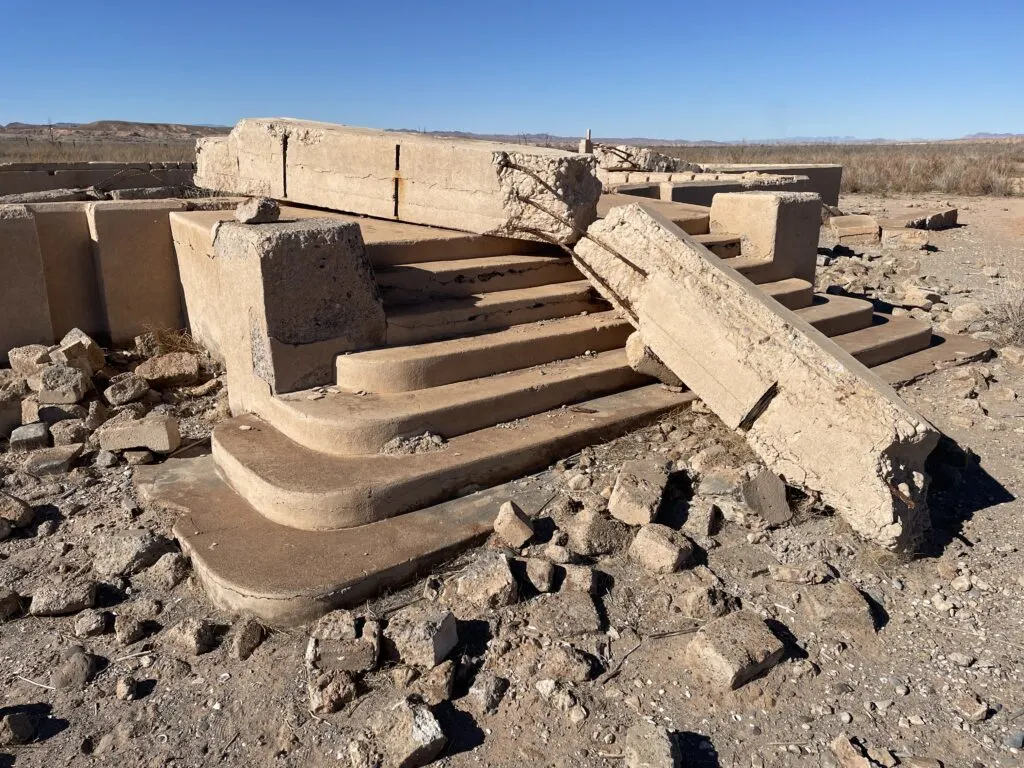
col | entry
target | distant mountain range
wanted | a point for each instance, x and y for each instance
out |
(126, 130)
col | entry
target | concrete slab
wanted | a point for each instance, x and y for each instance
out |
(338, 569)
(854, 229)
(475, 186)
(136, 270)
(825, 179)
(814, 414)
(692, 219)
(25, 310)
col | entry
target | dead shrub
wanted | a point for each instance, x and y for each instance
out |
(1008, 311)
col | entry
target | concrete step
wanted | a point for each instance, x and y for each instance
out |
(887, 338)
(429, 281)
(488, 311)
(284, 576)
(434, 364)
(792, 293)
(723, 244)
(300, 488)
(345, 424)
(835, 315)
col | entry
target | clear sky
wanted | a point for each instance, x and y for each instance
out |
(725, 70)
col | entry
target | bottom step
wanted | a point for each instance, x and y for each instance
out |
(285, 576)
(887, 338)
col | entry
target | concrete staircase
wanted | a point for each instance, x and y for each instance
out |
(509, 358)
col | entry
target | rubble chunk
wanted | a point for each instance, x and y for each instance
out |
(406, 732)
(15, 511)
(62, 384)
(52, 461)
(30, 437)
(765, 495)
(16, 728)
(10, 604)
(337, 642)
(156, 432)
(564, 614)
(93, 350)
(837, 608)
(192, 635)
(127, 552)
(330, 691)
(488, 582)
(593, 533)
(809, 573)
(75, 671)
(128, 388)
(703, 518)
(730, 651)
(63, 599)
(421, 639)
(92, 623)
(637, 492)
(175, 369)
(854, 229)
(29, 360)
(539, 572)
(257, 210)
(656, 549)
(246, 637)
(69, 432)
(904, 239)
(650, 746)
(487, 691)
(513, 526)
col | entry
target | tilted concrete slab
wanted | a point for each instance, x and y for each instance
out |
(25, 309)
(812, 412)
(477, 186)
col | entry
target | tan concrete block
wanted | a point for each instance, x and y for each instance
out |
(825, 179)
(71, 285)
(733, 650)
(155, 432)
(642, 360)
(25, 309)
(816, 416)
(781, 227)
(475, 186)
(137, 272)
(854, 229)
(704, 187)
(904, 239)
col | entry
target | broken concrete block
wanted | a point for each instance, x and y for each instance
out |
(175, 369)
(93, 350)
(156, 432)
(765, 494)
(809, 573)
(62, 384)
(125, 389)
(488, 582)
(539, 573)
(478, 186)
(592, 533)
(564, 614)
(943, 218)
(904, 239)
(513, 526)
(74, 354)
(257, 210)
(421, 639)
(733, 650)
(29, 360)
(637, 492)
(52, 461)
(656, 549)
(69, 431)
(330, 691)
(30, 437)
(192, 635)
(645, 362)
(777, 227)
(63, 599)
(25, 310)
(854, 229)
(337, 642)
(650, 746)
(125, 553)
(15, 511)
(814, 415)
(12, 389)
(703, 518)
(837, 608)
(408, 734)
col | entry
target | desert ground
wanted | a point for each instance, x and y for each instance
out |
(914, 659)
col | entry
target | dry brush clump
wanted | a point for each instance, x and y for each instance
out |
(966, 168)
(1008, 310)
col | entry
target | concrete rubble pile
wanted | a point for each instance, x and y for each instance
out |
(814, 414)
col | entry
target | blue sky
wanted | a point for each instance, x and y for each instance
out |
(689, 70)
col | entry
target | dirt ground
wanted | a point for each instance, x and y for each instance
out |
(921, 662)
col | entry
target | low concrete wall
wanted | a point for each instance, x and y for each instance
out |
(825, 179)
(17, 178)
(105, 267)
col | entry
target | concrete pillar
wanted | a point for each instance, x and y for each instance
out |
(25, 309)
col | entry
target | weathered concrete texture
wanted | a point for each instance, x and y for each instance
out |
(628, 158)
(703, 189)
(279, 301)
(476, 186)
(854, 229)
(780, 227)
(692, 219)
(643, 361)
(25, 310)
(942, 218)
(18, 178)
(813, 413)
(136, 270)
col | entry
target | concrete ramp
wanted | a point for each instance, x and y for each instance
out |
(811, 411)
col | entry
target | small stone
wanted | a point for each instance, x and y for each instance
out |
(647, 745)
(193, 636)
(1014, 354)
(92, 623)
(765, 494)
(52, 461)
(421, 639)
(579, 578)
(540, 573)
(258, 210)
(247, 636)
(593, 533)
(564, 614)
(128, 629)
(513, 526)
(16, 728)
(106, 460)
(488, 582)
(577, 481)
(637, 492)
(656, 549)
(961, 584)
(330, 691)
(435, 686)
(127, 552)
(168, 572)
(127, 389)
(487, 691)
(1014, 740)
(126, 687)
(337, 642)
(138, 458)
(94, 351)
(55, 414)
(815, 572)
(837, 608)
(409, 733)
(75, 671)
(69, 432)
(557, 553)
(63, 599)
(972, 708)
(29, 360)
(960, 659)
(175, 369)
(30, 437)
(15, 511)
(730, 651)
(703, 518)
(96, 415)
(62, 384)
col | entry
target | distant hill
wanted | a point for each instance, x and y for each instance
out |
(111, 130)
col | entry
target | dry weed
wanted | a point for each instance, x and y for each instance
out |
(25, 150)
(166, 340)
(1008, 311)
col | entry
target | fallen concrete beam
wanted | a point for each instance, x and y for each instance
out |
(813, 413)
(477, 186)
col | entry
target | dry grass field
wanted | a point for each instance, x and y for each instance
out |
(24, 150)
(962, 167)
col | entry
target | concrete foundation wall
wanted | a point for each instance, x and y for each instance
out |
(824, 179)
(17, 178)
